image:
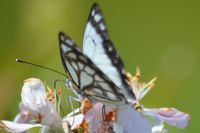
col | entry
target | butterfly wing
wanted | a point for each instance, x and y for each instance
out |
(89, 80)
(99, 48)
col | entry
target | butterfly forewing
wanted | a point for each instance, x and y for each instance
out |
(99, 48)
(91, 82)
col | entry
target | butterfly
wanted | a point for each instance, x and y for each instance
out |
(96, 70)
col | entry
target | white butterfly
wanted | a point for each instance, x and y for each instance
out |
(97, 72)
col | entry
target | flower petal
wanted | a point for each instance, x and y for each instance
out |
(158, 126)
(33, 94)
(170, 115)
(74, 121)
(24, 116)
(94, 116)
(130, 121)
(18, 127)
(35, 99)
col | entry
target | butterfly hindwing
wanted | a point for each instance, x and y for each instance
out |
(89, 80)
(99, 48)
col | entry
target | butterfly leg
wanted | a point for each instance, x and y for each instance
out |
(74, 111)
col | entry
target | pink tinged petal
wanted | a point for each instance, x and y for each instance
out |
(170, 115)
(50, 116)
(33, 94)
(94, 116)
(34, 98)
(18, 127)
(131, 121)
(24, 116)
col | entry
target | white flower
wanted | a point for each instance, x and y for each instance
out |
(123, 120)
(129, 121)
(171, 116)
(39, 104)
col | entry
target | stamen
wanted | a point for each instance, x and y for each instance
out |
(151, 85)
(2, 126)
(86, 106)
(50, 96)
(137, 107)
(133, 79)
(138, 73)
(111, 116)
(59, 92)
(59, 100)
(39, 118)
(84, 125)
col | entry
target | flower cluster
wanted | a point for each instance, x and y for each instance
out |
(127, 120)
(40, 107)
(159, 116)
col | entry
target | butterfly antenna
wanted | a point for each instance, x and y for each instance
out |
(29, 63)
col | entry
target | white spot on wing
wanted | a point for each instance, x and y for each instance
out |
(64, 48)
(62, 38)
(97, 17)
(93, 12)
(69, 42)
(110, 49)
(72, 55)
(102, 26)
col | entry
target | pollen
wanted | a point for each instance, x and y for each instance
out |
(2, 126)
(137, 107)
(25, 114)
(39, 118)
(86, 106)
(83, 125)
(138, 73)
(59, 92)
(166, 109)
(111, 116)
(50, 95)
(152, 85)
(132, 79)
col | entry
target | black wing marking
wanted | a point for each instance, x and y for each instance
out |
(90, 81)
(99, 48)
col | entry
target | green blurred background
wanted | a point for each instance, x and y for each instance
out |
(162, 37)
